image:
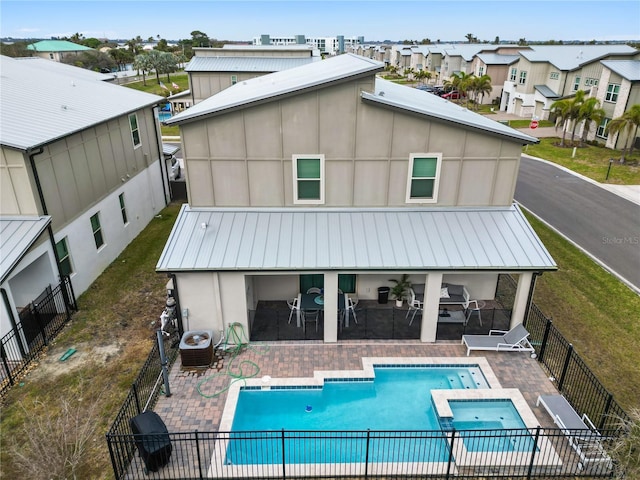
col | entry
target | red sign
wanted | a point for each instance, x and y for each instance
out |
(533, 124)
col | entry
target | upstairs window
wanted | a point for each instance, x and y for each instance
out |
(308, 179)
(234, 79)
(64, 260)
(422, 184)
(554, 75)
(97, 230)
(613, 89)
(576, 83)
(135, 131)
(523, 78)
(513, 75)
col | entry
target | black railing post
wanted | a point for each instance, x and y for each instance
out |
(450, 461)
(545, 337)
(533, 452)
(112, 455)
(3, 354)
(198, 452)
(565, 366)
(284, 462)
(136, 397)
(36, 316)
(604, 415)
(366, 454)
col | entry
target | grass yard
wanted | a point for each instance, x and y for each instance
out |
(590, 161)
(113, 333)
(595, 312)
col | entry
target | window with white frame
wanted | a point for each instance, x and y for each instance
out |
(308, 179)
(135, 131)
(576, 83)
(422, 181)
(554, 75)
(234, 79)
(523, 78)
(96, 228)
(64, 259)
(480, 70)
(602, 128)
(591, 81)
(513, 75)
(123, 209)
(613, 89)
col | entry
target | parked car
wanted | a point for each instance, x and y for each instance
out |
(427, 88)
(453, 95)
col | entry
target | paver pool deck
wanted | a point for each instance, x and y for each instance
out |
(188, 409)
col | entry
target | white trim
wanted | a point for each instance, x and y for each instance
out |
(294, 161)
(436, 180)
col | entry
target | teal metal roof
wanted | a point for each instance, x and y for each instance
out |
(56, 46)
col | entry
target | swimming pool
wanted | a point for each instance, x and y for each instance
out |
(164, 116)
(295, 423)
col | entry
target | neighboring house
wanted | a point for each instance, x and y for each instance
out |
(81, 175)
(495, 66)
(328, 172)
(214, 69)
(546, 73)
(65, 69)
(618, 90)
(56, 49)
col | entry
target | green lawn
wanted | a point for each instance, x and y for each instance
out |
(590, 161)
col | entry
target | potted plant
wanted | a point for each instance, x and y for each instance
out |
(399, 290)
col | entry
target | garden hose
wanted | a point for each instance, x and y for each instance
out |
(234, 347)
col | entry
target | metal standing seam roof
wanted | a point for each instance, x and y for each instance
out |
(286, 239)
(280, 83)
(546, 91)
(56, 46)
(413, 100)
(246, 64)
(570, 57)
(497, 59)
(629, 69)
(64, 69)
(17, 234)
(40, 106)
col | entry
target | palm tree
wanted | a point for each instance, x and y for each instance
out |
(481, 86)
(628, 122)
(562, 109)
(590, 111)
(141, 63)
(574, 112)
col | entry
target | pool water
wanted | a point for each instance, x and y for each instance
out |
(398, 399)
(164, 116)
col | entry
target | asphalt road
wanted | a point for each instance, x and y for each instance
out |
(603, 224)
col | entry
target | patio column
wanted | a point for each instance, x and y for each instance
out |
(330, 307)
(520, 300)
(432, 285)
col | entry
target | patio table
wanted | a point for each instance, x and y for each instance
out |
(452, 316)
(314, 301)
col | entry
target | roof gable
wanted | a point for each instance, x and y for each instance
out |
(40, 106)
(17, 234)
(570, 57)
(628, 69)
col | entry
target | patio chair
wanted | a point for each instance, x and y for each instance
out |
(581, 433)
(415, 305)
(293, 306)
(310, 316)
(350, 308)
(515, 340)
(314, 290)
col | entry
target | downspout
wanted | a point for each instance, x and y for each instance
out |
(161, 162)
(176, 297)
(49, 227)
(532, 287)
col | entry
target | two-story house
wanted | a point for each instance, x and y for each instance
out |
(495, 66)
(81, 175)
(55, 49)
(327, 171)
(546, 73)
(619, 89)
(211, 70)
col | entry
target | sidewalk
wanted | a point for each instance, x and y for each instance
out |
(628, 192)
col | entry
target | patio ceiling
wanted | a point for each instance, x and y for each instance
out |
(286, 239)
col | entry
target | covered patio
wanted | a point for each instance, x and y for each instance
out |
(242, 266)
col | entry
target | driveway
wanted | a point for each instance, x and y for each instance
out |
(604, 225)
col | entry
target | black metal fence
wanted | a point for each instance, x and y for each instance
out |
(142, 396)
(40, 322)
(514, 453)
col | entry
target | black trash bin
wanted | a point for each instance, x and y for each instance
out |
(383, 294)
(152, 440)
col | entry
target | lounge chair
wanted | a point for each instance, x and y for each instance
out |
(581, 433)
(515, 340)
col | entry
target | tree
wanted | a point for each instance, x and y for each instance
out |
(134, 45)
(92, 42)
(471, 38)
(522, 41)
(590, 111)
(481, 86)
(561, 108)
(199, 39)
(574, 112)
(407, 72)
(142, 64)
(121, 57)
(496, 41)
(627, 123)
(91, 60)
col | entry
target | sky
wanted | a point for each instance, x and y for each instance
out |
(375, 20)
